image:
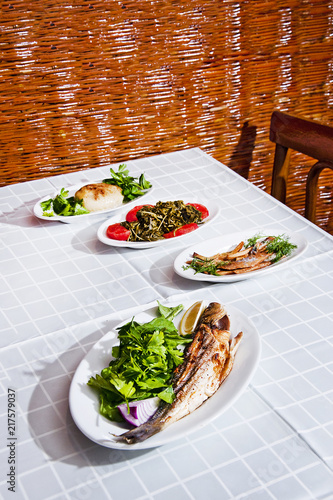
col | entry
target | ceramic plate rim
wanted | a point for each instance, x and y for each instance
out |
(237, 236)
(213, 208)
(83, 402)
(38, 212)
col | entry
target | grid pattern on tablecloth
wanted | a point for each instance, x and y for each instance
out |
(63, 306)
(57, 275)
(295, 320)
(296, 368)
(249, 449)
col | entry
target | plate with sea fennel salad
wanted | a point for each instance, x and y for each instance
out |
(163, 374)
(95, 199)
(240, 255)
(156, 223)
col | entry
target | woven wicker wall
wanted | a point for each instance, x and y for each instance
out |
(85, 84)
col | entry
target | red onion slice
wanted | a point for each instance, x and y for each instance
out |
(140, 411)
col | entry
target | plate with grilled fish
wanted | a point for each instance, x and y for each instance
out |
(157, 223)
(116, 406)
(239, 256)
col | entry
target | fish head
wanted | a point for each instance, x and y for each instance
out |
(215, 316)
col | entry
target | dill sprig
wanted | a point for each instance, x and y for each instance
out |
(252, 241)
(280, 247)
(200, 266)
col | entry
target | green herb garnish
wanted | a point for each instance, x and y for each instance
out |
(280, 247)
(252, 241)
(131, 187)
(62, 205)
(143, 363)
(202, 266)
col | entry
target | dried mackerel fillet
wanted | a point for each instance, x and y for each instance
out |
(236, 261)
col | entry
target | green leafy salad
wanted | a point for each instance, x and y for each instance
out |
(66, 205)
(142, 364)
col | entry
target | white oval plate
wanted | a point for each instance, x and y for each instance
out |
(101, 233)
(228, 242)
(84, 404)
(38, 211)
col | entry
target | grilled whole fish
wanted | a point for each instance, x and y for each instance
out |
(208, 360)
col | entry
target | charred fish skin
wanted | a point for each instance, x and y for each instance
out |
(211, 335)
(208, 360)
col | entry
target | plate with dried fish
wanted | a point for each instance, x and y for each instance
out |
(239, 256)
(157, 223)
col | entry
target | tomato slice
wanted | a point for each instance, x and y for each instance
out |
(204, 210)
(118, 232)
(181, 230)
(131, 215)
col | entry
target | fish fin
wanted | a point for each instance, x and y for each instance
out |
(234, 344)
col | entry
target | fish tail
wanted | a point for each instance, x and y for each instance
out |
(154, 425)
(141, 433)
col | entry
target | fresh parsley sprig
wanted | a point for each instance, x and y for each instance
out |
(130, 186)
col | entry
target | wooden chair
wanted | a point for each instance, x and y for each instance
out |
(307, 137)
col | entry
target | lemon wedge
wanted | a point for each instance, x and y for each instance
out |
(191, 318)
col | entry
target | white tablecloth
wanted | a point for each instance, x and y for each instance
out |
(62, 290)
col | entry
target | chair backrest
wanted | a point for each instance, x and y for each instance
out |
(308, 137)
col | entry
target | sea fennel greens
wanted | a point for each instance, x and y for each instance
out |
(142, 364)
(154, 222)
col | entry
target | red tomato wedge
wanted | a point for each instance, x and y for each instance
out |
(131, 215)
(181, 230)
(118, 232)
(204, 210)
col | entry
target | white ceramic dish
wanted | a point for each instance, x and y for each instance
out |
(83, 400)
(228, 242)
(101, 233)
(38, 211)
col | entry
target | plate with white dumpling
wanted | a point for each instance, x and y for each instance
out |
(83, 201)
